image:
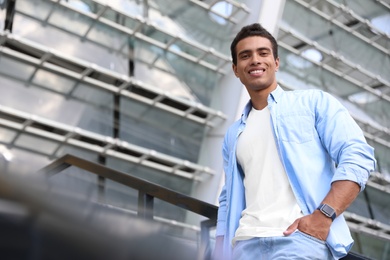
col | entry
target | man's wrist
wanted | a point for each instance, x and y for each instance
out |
(327, 211)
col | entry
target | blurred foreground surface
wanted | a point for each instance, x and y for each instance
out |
(38, 222)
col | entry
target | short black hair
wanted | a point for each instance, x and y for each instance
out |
(252, 30)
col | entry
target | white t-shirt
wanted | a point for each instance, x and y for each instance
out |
(270, 203)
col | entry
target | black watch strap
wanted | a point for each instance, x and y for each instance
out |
(327, 211)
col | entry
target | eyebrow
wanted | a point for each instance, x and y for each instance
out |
(258, 49)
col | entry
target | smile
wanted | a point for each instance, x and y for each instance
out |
(255, 72)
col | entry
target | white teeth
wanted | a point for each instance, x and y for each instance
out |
(256, 71)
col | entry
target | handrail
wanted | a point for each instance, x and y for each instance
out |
(145, 187)
(147, 191)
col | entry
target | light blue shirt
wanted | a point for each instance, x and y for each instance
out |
(313, 134)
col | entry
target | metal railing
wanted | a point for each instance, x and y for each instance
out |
(147, 192)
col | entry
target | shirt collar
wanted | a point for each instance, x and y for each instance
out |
(274, 96)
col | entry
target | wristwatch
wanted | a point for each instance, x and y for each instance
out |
(327, 211)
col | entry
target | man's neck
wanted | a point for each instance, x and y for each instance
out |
(259, 98)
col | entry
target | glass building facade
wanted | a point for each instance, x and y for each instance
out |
(145, 87)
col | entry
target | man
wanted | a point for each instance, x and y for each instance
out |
(294, 161)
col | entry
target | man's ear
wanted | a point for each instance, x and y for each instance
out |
(234, 68)
(277, 64)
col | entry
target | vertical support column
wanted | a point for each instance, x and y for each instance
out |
(116, 116)
(145, 205)
(101, 181)
(369, 208)
(205, 251)
(101, 189)
(270, 14)
(9, 16)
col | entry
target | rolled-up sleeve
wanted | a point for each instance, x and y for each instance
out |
(344, 141)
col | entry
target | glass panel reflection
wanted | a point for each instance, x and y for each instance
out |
(334, 38)
(311, 75)
(371, 247)
(379, 204)
(160, 131)
(79, 107)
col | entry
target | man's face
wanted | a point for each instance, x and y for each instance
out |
(256, 65)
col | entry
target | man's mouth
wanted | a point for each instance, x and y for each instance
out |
(257, 72)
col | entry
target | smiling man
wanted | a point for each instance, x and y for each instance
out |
(283, 196)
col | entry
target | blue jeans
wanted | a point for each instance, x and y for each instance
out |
(296, 246)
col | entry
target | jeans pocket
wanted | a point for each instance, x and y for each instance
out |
(306, 236)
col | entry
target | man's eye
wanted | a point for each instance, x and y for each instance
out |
(264, 54)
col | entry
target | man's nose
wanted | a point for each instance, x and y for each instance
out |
(256, 59)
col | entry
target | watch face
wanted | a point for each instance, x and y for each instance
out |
(327, 210)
